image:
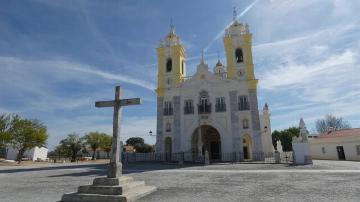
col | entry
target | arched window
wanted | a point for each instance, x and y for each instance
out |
(245, 124)
(182, 67)
(168, 65)
(239, 55)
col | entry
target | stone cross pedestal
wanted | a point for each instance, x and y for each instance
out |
(114, 187)
(301, 146)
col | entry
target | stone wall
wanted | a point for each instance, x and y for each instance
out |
(159, 147)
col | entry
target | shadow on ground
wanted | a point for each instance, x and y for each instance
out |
(100, 169)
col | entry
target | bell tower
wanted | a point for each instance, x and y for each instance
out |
(171, 62)
(237, 44)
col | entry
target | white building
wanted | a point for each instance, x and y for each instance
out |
(337, 145)
(217, 108)
(33, 154)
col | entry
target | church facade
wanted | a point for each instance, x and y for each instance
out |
(216, 109)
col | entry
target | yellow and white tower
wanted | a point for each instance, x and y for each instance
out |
(171, 71)
(171, 62)
(237, 43)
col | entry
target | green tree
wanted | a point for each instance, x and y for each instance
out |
(275, 136)
(106, 144)
(59, 152)
(93, 140)
(139, 144)
(27, 134)
(133, 141)
(330, 122)
(71, 145)
(144, 148)
(6, 121)
(286, 136)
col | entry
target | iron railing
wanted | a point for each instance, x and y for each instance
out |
(204, 109)
(220, 107)
(189, 110)
(168, 111)
(192, 157)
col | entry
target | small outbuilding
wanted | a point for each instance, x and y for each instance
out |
(337, 145)
(34, 154)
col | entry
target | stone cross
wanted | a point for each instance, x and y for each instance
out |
(115, 167)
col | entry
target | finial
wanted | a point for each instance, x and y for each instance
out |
(234, 14)
(202, 57)
(172, 28)
(266, 106)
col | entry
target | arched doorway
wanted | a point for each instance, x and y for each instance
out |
(168, 148)
(210, 141)
(247, 149)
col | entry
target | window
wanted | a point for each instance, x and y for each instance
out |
(168, 127)
(188, 107)
(220, 105)
(358, 149)
(168, 110)
(168, 65)
(182, 67)
(204, 106)
(239, 55)
(245, 124)
(243, 103)
(323, 150)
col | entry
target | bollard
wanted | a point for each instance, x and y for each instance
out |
(277, 157)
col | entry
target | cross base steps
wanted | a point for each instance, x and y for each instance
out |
(121, 189)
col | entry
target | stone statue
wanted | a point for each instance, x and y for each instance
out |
(303, 135)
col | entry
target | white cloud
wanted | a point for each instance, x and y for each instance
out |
(294, 74)
(65, 70)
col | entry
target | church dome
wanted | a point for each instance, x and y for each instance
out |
(218, 64)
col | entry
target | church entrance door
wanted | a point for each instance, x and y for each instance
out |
(214, 150)
(210, 141)
(247, 145)
(245, 150)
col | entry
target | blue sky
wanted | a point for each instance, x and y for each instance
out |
(58, 57)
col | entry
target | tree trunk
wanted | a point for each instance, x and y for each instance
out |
(73, 158)
(93, 156)
(20, 155)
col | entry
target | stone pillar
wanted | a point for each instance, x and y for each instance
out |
(207, 159)
(115, 166)
(234, 119)
(159, 147)
(199, 143)
(277, 156)
(176, 125)
(255, 122)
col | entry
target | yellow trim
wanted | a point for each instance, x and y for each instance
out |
(252, 84)
(230, 56)
(177, 56)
